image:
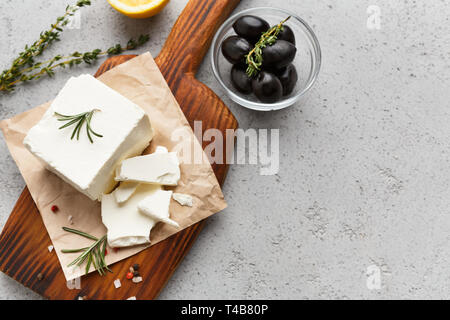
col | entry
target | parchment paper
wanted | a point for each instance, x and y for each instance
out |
(140, 81)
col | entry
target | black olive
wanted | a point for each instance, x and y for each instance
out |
(250, 27)
(287, 34)
(235, 48)
(288, 77)
(240, 79)
(279, 55)
(267, 87)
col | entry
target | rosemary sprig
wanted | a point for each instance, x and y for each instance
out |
(24, 68)
(78, 120)
(254, 58)
(94, 254)
(26, 57)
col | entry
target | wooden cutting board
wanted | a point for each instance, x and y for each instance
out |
(24, 239)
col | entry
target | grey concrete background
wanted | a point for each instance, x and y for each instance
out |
(364, 159)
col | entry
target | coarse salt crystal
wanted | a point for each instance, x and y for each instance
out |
(117, 283)
(50, 248)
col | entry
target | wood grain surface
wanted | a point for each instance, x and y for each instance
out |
(24, 239)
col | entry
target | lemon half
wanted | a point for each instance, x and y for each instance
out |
(138, 8)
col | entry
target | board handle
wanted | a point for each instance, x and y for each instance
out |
(191, 35)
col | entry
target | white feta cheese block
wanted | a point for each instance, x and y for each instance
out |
(126, 225)
(156, 206)
(155, 168)
(90, 167)
(126, 188)
(183, 199)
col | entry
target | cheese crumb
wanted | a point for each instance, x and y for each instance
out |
(183, 199)
(132, 298)
(50, 248)
(117, 283)
(137, 279)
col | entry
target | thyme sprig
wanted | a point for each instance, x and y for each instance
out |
(25, 68)
(79, 120)
(93, 255)
(254, 58)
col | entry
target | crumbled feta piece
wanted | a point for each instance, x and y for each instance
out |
(127, 188)
(156, 206)
(155, 168)
(126, 225)
(124, 191)
(50, 248)
(132, 298)
(183, 199)
(117, 283)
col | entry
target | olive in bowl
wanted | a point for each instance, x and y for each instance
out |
(288, 77)
(250, 27)
(279, 54)
(267, 87)
(240, 80)
(287, 34)
(235, 48)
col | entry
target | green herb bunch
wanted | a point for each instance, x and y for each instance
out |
(25, 68)
(94, 254)
(254, 58)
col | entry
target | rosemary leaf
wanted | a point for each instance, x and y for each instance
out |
(69, 123)
(93, 261)
(88, 264)
(73, 250)
(80, 233)
(103, 254)
(79, 129)
(89, 128)
(98, 261)
(71, 117)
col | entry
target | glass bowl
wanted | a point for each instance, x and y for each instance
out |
(307, 60)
